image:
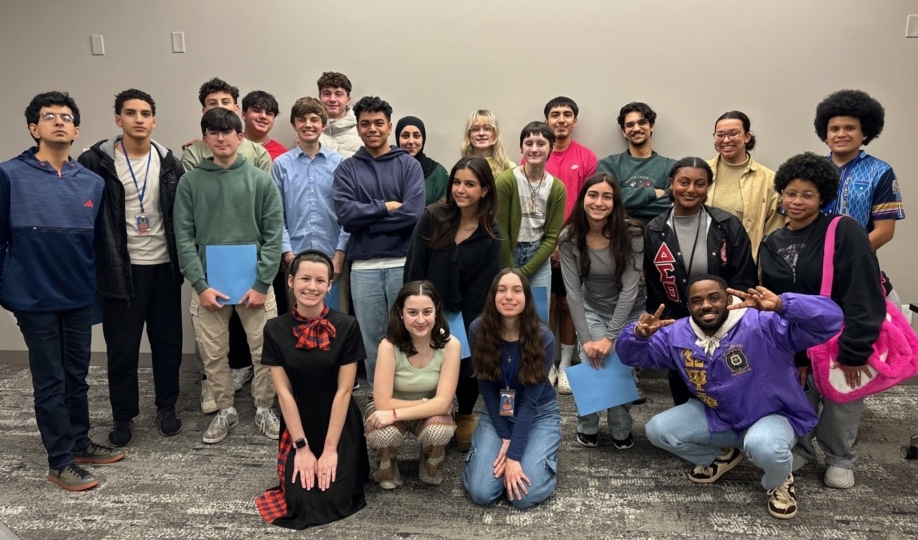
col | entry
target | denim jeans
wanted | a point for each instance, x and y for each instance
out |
(618, 417)
(539, 461)
(522, 254)
(59, 353)
(684, 431)
(374, 292)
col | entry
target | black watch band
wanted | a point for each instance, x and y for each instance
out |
(299, 443)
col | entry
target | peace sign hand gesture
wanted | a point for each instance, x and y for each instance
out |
(758, 298)
(648, 324)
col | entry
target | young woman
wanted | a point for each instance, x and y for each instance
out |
(601, 252)
(482, 139)
(741, 186)
(313, 352)
(688, 240)
(530, 209)
(791, 260)
(417, 368)
(411, 135)
(456, 247)
(515, 446)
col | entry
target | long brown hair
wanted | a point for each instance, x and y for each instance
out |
(619, 228)
(447, 214)
(399, 336)
(486, 356)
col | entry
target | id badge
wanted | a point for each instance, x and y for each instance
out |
(507, 402)
(143, 224)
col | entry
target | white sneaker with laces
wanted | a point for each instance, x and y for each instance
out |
(241, 376)
(268, 424)
(564, 386)
(208, 405)
(220, 427)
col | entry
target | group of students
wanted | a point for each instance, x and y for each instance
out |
(421, 251)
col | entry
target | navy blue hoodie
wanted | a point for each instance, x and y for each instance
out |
(47, 229)
(361, 188)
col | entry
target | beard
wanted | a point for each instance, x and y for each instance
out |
(714, 325)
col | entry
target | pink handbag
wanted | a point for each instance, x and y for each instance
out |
(895, 352)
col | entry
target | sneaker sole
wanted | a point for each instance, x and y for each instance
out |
(724, 468)
(587, 444)
(97, 461)
(164, 434)
(209, 409)
(779, 515)
(71, 487)
(113, 443)
(564, 391)
(622, 447)
(214, 441)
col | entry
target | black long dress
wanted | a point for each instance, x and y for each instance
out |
(313, 376)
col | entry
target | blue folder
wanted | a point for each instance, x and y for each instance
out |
(231, 270)
(599, 389)
(457, 330)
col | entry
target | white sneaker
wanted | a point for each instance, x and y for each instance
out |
(839, 478)
(241, 376)
(553, 376)
(268, 424)
(208, 405)
(564, 387)
(220, 427)
(782, 501)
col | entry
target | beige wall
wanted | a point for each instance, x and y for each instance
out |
(440, 60)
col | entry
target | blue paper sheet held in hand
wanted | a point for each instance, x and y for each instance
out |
(599, 389)
(231, 270)
(457, 330)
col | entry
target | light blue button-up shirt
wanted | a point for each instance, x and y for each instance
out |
(305, 186)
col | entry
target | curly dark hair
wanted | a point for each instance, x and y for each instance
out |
(262, 100)
(47, 99)
(217, 85)
(619, 228)
(747, 125)
(447, 215)
(855, 103)
(486, 355)
(638, 107)
(811, 168)
(333, 79)
(399, 336)
(373, 104)
(133, 93)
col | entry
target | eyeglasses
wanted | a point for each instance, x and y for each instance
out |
(732, 134)
(50, 116)
(806, 195)
(486, 129)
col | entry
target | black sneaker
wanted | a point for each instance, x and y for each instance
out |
(96, 454)
(590, 441)
(169, 423)
(122, 434)
(623, 444)
(72, 478)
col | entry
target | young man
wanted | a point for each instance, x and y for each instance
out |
(137, 263)
(304, 178)
(642, 173)
(227, 201)
(379, 196)
(49, 210)
(259, 110)
(572, 163)
(737, 356)
(341, 132)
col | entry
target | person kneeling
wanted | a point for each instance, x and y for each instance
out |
(739, 363)
(417, 369)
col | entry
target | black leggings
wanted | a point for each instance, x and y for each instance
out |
(467, 389)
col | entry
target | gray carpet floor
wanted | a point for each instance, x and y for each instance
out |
(178, 487)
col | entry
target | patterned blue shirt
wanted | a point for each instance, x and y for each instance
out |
(868, 191)
(305, 186)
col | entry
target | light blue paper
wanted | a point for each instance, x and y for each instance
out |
(540, 294)
(231, 270)
(457, 330)
(599, 389)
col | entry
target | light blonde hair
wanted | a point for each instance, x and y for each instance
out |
(498, 155)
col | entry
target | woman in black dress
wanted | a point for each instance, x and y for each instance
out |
(322, 461)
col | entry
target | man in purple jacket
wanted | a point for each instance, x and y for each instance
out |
(739, 363)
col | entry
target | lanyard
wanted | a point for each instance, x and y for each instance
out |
(140, 192)
(510, 361)
(672, 222)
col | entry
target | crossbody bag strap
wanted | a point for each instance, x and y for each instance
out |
(828, 258)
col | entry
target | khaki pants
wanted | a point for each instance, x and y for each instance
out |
(212, 334)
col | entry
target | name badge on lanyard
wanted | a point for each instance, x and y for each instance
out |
(508, 395)
(142, 219)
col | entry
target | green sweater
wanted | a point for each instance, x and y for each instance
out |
(255, 153)
(510, 214)
(639, 177)
(238, 205)
(435, 185)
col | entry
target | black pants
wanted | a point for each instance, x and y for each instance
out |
(158, 304)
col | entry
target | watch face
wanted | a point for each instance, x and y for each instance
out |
(299, 443)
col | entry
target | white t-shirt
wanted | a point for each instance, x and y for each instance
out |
(144, 249)
(533, 204)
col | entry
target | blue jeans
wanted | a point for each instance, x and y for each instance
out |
(59, 354)
(683, 430)
(374, 292)
(539, 462)
(619, 417)
(522, 254)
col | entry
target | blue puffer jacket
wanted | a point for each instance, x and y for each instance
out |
(48, 225)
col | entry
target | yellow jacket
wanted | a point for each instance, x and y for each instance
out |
(760, 201)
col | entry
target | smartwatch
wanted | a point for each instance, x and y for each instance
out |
(299, 443)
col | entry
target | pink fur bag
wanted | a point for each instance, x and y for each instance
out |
(895, 352)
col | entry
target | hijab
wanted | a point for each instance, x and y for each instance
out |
(427, 164)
